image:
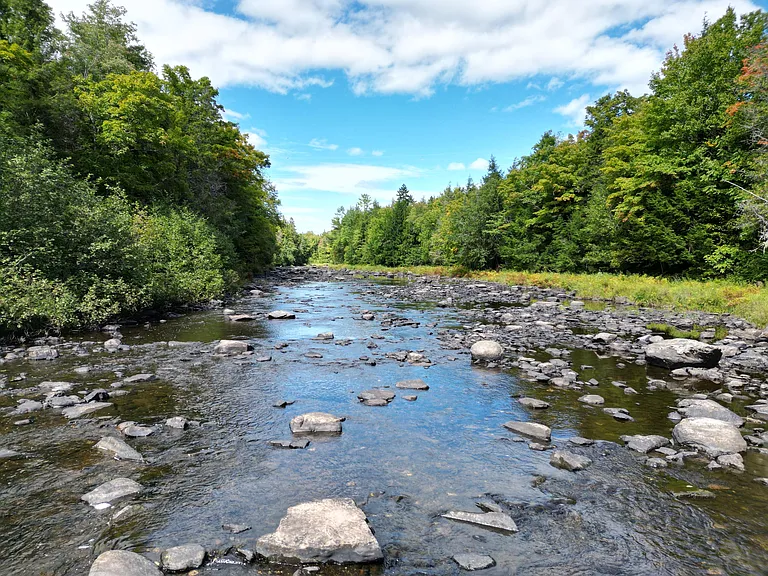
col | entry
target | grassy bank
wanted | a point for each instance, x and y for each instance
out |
(721, 296)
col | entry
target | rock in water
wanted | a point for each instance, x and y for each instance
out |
(316, 423)
(281, 315)
(569, 461)
(495, 520)
(123, 563)
(486, 350)
(118, 448)
(232, 347)
(83, 409)
(472, 562)
(681, 353)
(715, 437)
(112, 490)
(183, 558)
(5, 453)
(531, 429)
(376, 397)
(42, 353)
(178, 422)
(417, 384)
(695, 408)
(331, 530)
(592, 400)
(645, 444)
(533, 403)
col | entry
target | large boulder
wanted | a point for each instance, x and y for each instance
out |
(695, 408)
(682, 352)
(714, 437)
(331, 530)
(316, 423)
(123, 563)
(486, 350)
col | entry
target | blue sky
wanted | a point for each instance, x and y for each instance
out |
(361, 96)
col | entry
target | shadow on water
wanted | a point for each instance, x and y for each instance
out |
(405, 464)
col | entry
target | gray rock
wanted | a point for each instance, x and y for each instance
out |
(759, 411)
(569, 461)
(118, 448)
(240, 318)
(281, 315)
(133, 430)
(98, 395)
(715, 437)
(495, 520)
(579, 441)
(376, 397)
(533, 403)
(316, 423)
(324, 336)
(486, 350)
(471, 562)
(731, 461)
(112, 344)
(682, 352)
(112, 490)
(645, 444)
(531, 429)
(592, 399)
(123, 563)
(604, 338)
(183, 558)
(235, 528)
(656, 463)
(416, 384)
(410, 398)
(83, 409)
(26, 407)
(42, 353)
(696, 408)
(225, 347)
(290, 444)
(138, 378)
(178, 422)
(5, 453)
(331, 530)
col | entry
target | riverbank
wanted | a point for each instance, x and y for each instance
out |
(746, 301)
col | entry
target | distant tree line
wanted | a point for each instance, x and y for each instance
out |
(670, 183)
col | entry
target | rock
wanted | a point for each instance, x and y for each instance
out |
(5, 453)
(620, 414)
(533, 403)
(133, 430)
(83, 409)
(694, 495)
(178, 422)
(325, 336)
(98, 395)
(235, 528)
(281, 315)
(290, 444)
(645, 444)
(495, 520)
(698, 408)
(42, 353)
(604, 338)
(331, 530)
(579, 441)
(376, 397)
(569, 461)
(715, 437)
(112, 490)
(283, 403)
(241, 318)
(682, 352)
(486, 350)
(411, 398)
(118, 448)
(472, 562)
(26, 407)
(232, 347)
(183, 558)
(531, 429)
(656, 463)
(316, 423)
(592, 399)
(123, 563)
(759, 410)
(113, 344)
(137, 378)
(731, 461)
(417, 384)
(368, 316)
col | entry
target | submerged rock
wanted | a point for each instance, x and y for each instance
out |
(83, 409)
(486, 350)
(715, 437)
(376, 397)
(118, 448)
(183, 558)
(681, 353)
(533, 403)
(471, 562)
(123, 563)
(416, 384)
(569, 461)
(495, 520)
(531, 429)
(316, 423)
(592, 400)
(330, 530)
(112, 490)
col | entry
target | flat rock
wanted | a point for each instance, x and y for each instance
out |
(713, 436)
(183, 558)
(531, 429)
(486, 350)
(112, 490)
(178, 422)
(5, 453)
(579, 441)
(376, 397)
(471, 562)
(83, 409)
(26, 407)
(123, 563)
(731, 461)
(290, 444)
(330, 530)
(118, 448)
(533, 403)
(138, 378)
(592, 399)
(416, 384)
(281, 315)
(410, 398)
(698, 408)
(241, 318)
(495, 520)
(681, 353)
(232, 347)
(42, 353)
(316, 423)
(569, 461)
(645, 444)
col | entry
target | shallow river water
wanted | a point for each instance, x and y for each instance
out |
(404, 464)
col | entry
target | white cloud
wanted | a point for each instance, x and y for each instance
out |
(257, 137)
(355, 151)
(322, 144)
(574, 110)
(479, 164)
(305, 97)
(456, 166)
(414, 46)
(377, 153)
(234, 116)
(530, 101)
(554, 83)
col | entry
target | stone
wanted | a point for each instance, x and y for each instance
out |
(569, 461)
(579, 441)
(495, 520)
(656, 463)
(5, 453)
(123, 563)
(471, 562)
(133, 430)
(316, 423)
(324, 336)
(290, 444)
(592, 399)
(283, 403)
(416, 384)
(411, 398)
(138, 378)
(759, 410)
(681, 353)
(281, 315)
(113, 344)
(235, 528)
(531, 429)
(118, 448)
(645, 444)
(84, 409)
(226, 347)
(715, 437)
(731, 461)
(183, 558)
(42, 353)
(533, 403)
(486, 350)
(376, 397)
(98, 395)
(27, 406)
(177, 422)
(697, 408)
(330, 530)
(112, 490)
(620, 414)
(241, 318)
(604, 338)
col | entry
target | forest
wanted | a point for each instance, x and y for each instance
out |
(670, 183)
(122, 187)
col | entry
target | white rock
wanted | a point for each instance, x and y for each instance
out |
(486, 350)
(123, 563)
(715, 437)
(316, 423)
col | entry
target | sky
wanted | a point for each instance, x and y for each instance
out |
(360, 96)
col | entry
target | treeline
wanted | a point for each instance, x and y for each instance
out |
(121, 187)
(671, 183)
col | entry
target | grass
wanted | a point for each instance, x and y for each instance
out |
(695, 332)
(717, 296)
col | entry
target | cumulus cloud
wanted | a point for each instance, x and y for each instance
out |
(479, 164)
(322, 144)
(530, 101)
(257, 137)
(456, 166)
(414, 46)
(574, 110)
(355, 151)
